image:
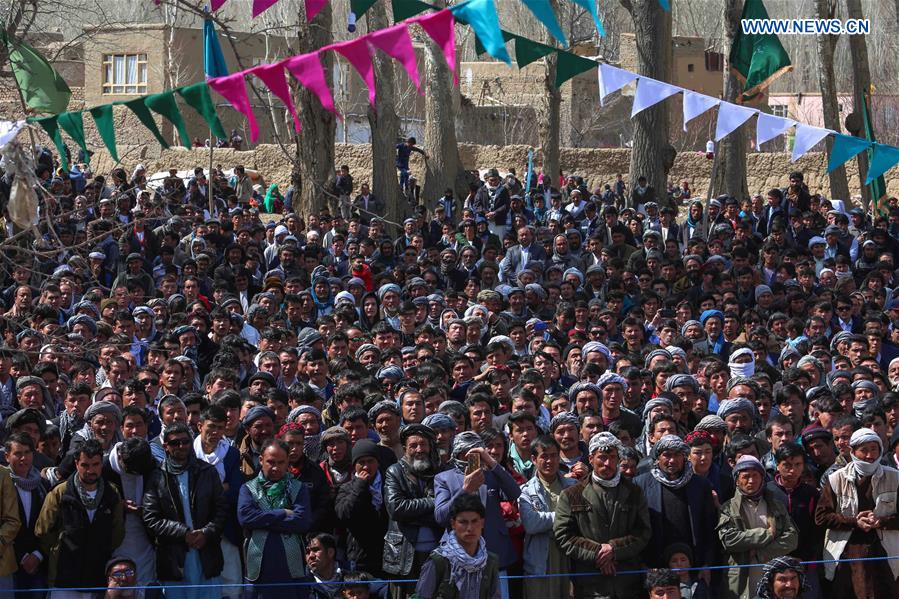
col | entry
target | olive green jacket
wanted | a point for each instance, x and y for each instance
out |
(588, 516)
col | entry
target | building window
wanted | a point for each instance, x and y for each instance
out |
(780, 110)
(125, 74)
(690, 67)
(714, 61)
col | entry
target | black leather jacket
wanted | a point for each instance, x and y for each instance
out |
(410, 505)
(164, 517)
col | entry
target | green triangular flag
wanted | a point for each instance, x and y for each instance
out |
(527, 51)
(105, 126)
(757, 59)
(141, 111)
(73, 124)
(164, 105)
(480, 49)
(197, 97)
(51, 126)
(404, 9)
(360, 7)
(570, 65)
(42, 87)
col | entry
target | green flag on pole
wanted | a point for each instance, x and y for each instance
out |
(878, 185)
(43, 90)
(757, 59)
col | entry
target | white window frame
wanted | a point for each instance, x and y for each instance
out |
(125, 74)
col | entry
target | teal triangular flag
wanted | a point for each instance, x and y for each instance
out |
(845, 147)
(883, 159)
(481, 16)
(543, 12)
(590, 7)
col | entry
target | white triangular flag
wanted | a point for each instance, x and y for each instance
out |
(807, 137)
(769, 126)
(9, 130)
(731, 116)
(695, 104)
(611, 79)
(650, 92)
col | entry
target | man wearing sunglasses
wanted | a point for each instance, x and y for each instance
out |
(121, 573)
(185, 510)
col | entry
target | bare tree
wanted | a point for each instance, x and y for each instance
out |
(652, 155)
(550, 125)
(444, 167)
(861, 86)
(384, 123)
(824, 9)
(730, 156)
(313, 172)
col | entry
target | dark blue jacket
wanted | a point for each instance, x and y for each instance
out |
(703, 518)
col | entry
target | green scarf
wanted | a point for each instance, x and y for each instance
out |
(275, 492)
(270, 196)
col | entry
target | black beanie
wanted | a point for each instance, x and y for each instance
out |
(364, 448)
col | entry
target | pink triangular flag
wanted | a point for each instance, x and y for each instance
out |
(217, 4)
(307, 68)
(395, 41)
(440, 26)
(358, 53)
(260, 6)
(313, 7)
(272, 75)
(234, 89)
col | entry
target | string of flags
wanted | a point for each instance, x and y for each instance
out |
(649, 92)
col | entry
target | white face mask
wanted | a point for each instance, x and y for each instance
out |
(863, 468)
(746, 370)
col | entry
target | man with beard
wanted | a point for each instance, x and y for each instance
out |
(738, 414)
(259, 424)
(681, 507)
(444, 429)
(82, 521)
(409, 497)
(782, 578)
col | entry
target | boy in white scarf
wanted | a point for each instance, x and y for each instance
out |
(461, 565)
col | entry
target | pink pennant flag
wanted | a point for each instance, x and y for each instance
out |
(234, 89)
(307, 68)
(260, 6)
(358, 53)
(313, 7)
(272, 75)
(395, 41)
(217, 4)
(440, 26)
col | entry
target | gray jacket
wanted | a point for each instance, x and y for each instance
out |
(538, 523)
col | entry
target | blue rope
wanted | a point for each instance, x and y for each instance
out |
(406, 580)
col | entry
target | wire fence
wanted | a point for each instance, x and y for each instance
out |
(379, 581)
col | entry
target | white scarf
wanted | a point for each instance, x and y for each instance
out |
(216, 458)
(466, 570)
(607, 482)
(864, 469)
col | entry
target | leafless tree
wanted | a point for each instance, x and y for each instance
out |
(730, 156)
(384, 123)
(651, 153)
(825, 9)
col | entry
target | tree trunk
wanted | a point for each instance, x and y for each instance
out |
(315, 145)
(730, 155)
(550, 124)
(824, 9)
(384, 124)
(443, 169)
(861, 83)
(652, 155)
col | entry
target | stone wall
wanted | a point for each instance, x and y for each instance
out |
(598, 166)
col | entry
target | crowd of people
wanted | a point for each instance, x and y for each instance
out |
(576, 387)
